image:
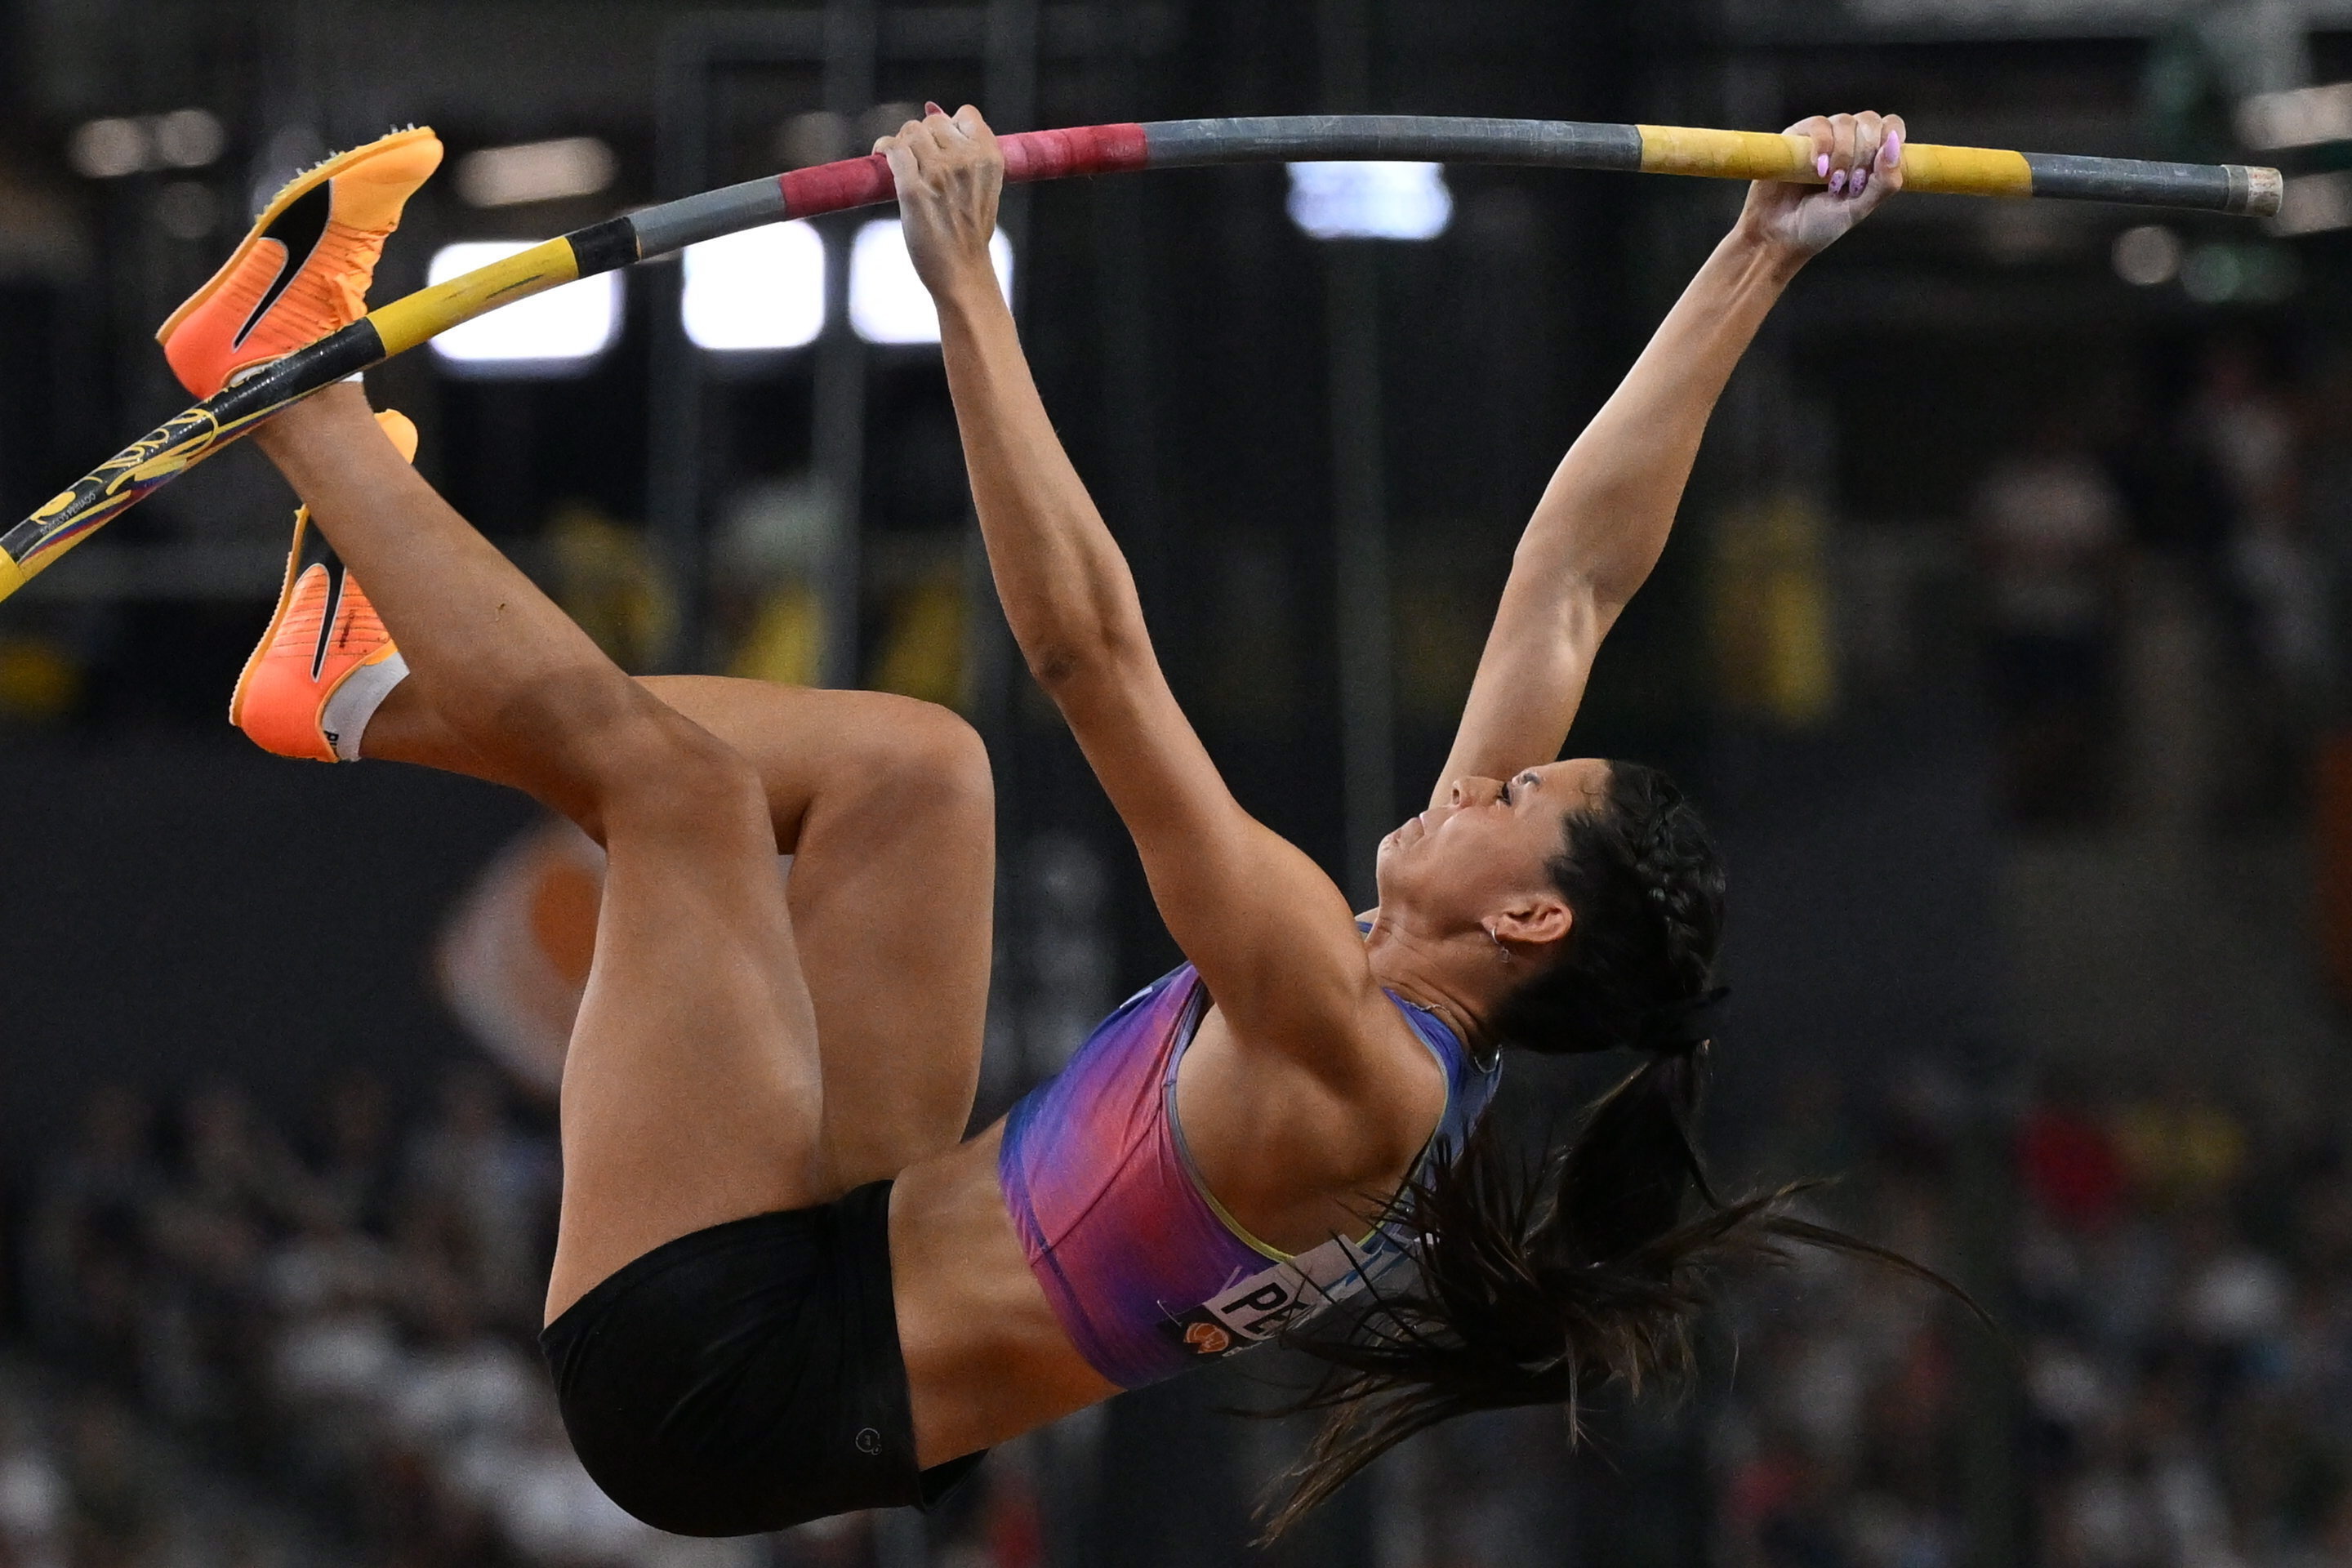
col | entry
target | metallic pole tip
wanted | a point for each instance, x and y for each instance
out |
(2263, 189)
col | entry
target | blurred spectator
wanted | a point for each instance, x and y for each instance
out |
(1810, 1135)
(2280, 635)
(209, 1227)
(1840, 1448)
(336, 1353)
(2180, 1148)
(33, 1501)
(354, 1170)
(2068, 1160)
(2050, 533)
(88, 1234)
(478, 1193)
(2327, 498)
(115, 1507)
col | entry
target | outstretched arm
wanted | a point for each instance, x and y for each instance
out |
(1269, 933)
(1603, 519)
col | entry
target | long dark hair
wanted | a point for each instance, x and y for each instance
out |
(1541, 1280)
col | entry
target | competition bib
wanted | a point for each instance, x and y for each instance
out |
(1261, 1305)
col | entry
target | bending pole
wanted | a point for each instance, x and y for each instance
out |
(165, 453)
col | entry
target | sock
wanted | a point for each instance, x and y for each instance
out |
(346, 715)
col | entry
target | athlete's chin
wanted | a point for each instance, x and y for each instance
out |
(1396, 871)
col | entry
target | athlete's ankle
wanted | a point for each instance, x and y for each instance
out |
(347, 717)
(319, 417)
(405, 728)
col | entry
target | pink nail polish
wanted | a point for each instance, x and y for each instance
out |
(1822, 164)
(1891, 154)
(930, 108)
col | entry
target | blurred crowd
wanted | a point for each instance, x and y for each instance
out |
(2185, 1289)
(346, 1315)
(2178, 1286)
(84, 1485)
(1839, 1441)
(341, 1321)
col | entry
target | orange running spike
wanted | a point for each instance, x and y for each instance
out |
(304, 269)
(310, 655)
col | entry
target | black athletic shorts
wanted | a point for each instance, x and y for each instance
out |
(748, 1377)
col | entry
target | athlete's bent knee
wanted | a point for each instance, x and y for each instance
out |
(659, 768)
(925, 756)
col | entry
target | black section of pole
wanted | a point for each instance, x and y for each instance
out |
(605, 246)
(1542, 144)
(346, 352)
(2211, 187)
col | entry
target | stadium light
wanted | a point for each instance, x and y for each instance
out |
(2147, 255)
(2297, 117)
(888, 303)
(2315, 204)
(535, 172)
(560, 333)
(761, 289)
(1371, 200)
(188, 138)
(110, 148)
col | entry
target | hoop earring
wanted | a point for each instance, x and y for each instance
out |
(1499, 948)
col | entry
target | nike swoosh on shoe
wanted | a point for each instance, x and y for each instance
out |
(299, 228)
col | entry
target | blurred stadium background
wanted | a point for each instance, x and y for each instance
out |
(2008, 637)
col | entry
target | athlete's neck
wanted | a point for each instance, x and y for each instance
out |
(1462, 977)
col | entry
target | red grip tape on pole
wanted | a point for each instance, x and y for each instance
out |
(1079, 150)
(1028, 156)
(837, 187)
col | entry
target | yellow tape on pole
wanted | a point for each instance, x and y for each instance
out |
(1723, 155)
(1966, 171)
(11, 576)
(1762, 156)
(408, 321)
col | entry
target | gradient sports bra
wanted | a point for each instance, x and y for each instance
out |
(1146, 1272)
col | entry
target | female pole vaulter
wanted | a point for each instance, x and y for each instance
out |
(785, 1285)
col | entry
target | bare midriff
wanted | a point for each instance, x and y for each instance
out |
(985, 1358)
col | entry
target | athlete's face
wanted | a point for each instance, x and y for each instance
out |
(1482, 857)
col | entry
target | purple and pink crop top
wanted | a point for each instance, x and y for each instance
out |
(1146, 1272)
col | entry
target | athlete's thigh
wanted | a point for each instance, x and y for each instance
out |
(887, 806)
(893, 892)
(692, 1093)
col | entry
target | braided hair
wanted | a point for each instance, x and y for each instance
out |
(1537, 1281)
